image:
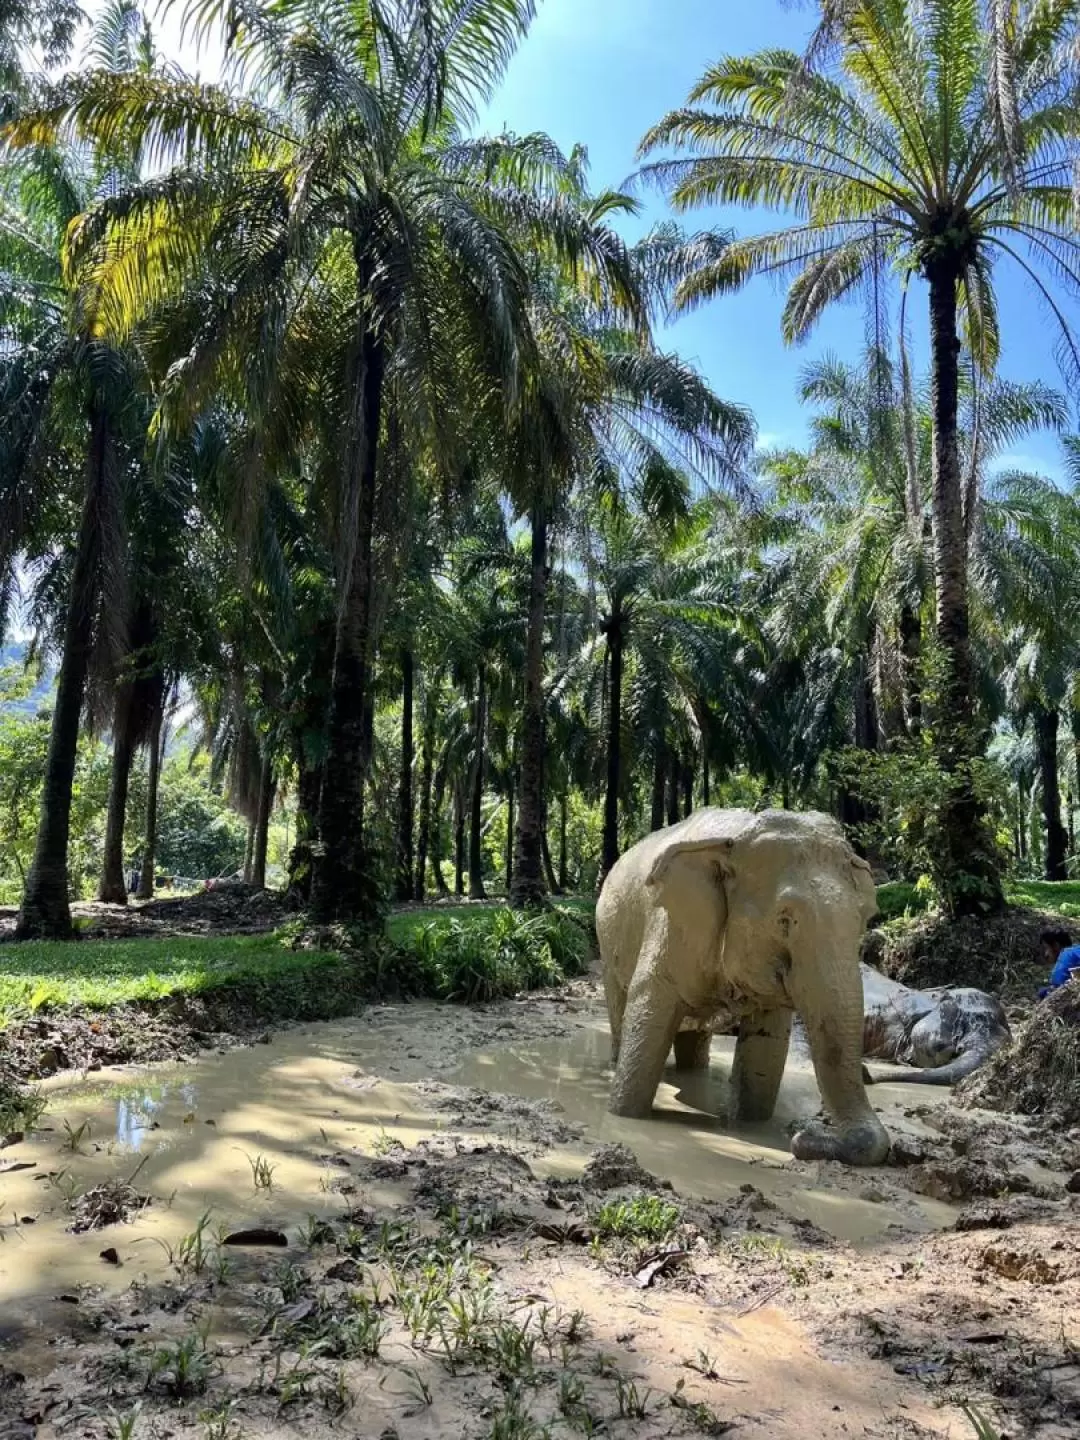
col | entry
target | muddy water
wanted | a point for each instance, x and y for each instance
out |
(305, 1102)
(687, 1140)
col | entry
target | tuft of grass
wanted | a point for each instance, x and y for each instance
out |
(21, 1106)
(644, 1217)
(495, 952)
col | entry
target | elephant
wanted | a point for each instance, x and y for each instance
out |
(736, 917)
(947, 1033)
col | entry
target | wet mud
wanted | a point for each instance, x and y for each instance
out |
(789, 1299)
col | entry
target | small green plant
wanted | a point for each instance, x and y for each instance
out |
(316, 1231)
(21, 1107)
(122, 1427)
(73, 1138)
(798, 1268)
(703, 1418)
(385, 1143)
(633, 1405)
(645, 1217)
(573, 1405)
(295, 1384)
(218, 1424)
(512, 1421)
(183, 1369)
(335, 1394)
(192, 1251)
(982, 1427)
(262, 1171)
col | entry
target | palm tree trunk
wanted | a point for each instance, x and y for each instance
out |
(459, 839)
(673, 789)
(910, 666)
(476, 811)
(113, 889)
(339, 891)
(262, 821)
(1046, 743)
(528, 888)
(249, 852)
(301, 857)
(656, 813)
(706, 795)
(549, 868)
(153, 785)
(610, 848)
(564, 876)
(687, 776)
(427, 764)
(404, 888)
(973, 884)
(437, 831)
(45, 913)
(510, 835)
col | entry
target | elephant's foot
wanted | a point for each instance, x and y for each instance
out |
(866, 1142)
(692, 1049)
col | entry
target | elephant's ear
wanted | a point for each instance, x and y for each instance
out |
(720, 849)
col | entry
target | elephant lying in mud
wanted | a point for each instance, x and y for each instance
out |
(945, 1033)
(741, 917)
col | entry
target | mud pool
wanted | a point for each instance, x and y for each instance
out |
(306, 1101)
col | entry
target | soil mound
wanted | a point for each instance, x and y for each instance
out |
(998, 953)
(1039, 1074)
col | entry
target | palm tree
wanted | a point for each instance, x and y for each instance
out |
(354, 169)
(940, 141)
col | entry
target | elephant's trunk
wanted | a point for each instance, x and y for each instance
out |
(950, 1074)
(827, 992)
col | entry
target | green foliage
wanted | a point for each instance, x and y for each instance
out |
(199, 835)
(900, 897)
(498, 952)
(644, 1217)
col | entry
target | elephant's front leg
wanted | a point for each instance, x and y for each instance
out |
(650, 1021)
(760, 1056)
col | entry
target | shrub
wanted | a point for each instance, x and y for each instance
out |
(498, 952)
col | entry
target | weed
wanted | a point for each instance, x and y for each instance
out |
(290, 1280)
(262, 1171)
(385, 1143)
(632, 1404)
(704, 1364)
(296, 1383)
(645, 1217)
(192, 1251)
(798, 1268)
(703, 1418)
(73, 1139)
(21, 1107)
(511, 1421)
(419, 1387)
(122, 1427)
(316, 1231)
(183, 1369)
(219, 1424)
(573, 1405)
(982, 1427)
(335, 1394)
(513, 1350)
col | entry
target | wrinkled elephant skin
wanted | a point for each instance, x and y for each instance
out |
(744, 918)
(945, 1033)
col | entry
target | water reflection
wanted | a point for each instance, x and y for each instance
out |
(140, 1108)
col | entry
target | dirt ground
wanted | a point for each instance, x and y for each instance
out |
(456, 1261)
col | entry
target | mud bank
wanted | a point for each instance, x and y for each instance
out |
(466, 1156)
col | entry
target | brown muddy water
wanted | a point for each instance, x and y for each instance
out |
(302, 1103)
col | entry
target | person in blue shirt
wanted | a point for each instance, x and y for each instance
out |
(1062, 955)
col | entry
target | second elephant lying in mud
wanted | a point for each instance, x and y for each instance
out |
(945, 1034)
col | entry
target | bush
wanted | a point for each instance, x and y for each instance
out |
(498, 952)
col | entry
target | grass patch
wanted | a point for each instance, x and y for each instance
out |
(494, 951)
(645, 1217)
(1062, 896)
(98, 974)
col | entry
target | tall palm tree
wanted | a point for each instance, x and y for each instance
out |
(942, 139)
(350, 163)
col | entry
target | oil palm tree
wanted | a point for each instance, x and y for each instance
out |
(940, 142)
(352, 163)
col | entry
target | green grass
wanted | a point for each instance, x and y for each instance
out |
(643, 1217)
(101, 973)
(403, 926)
(898, 897)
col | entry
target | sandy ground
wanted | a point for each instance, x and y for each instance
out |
(439, 1176)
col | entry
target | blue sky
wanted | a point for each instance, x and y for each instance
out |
(600, 72)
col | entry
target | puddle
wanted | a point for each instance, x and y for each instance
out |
(687, 1141)
(322, 1090)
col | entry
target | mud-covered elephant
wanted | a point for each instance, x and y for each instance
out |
(736, 916)
(946, 1033)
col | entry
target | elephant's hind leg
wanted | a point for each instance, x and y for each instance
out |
(692, 1049)
(652, 1016)
(760, 1055)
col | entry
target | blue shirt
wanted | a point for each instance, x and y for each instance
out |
(1067, 962)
